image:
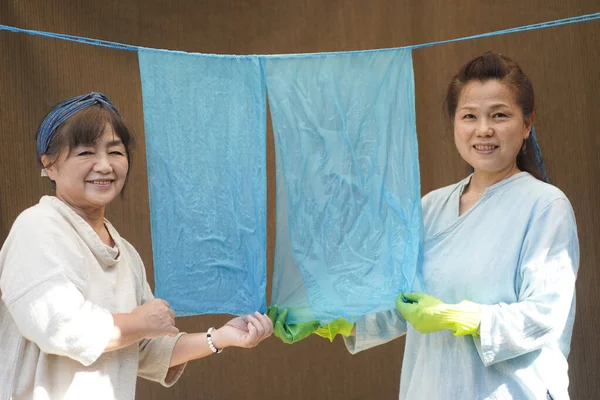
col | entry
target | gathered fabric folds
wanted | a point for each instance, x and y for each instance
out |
(349, 225)
(205, 124)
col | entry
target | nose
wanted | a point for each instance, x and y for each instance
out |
(484, 128)
(102, 164)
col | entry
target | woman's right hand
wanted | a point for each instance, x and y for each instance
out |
(154, 319)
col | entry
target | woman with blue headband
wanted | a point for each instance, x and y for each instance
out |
(499, 264)
(78, 319)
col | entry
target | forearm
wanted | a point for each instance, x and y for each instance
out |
(126, 332)
(511, 330)
(191, 347)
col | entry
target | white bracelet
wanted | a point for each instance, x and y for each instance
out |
(210, 342)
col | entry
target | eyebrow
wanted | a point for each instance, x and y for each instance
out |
(493, 106)
(114, 143)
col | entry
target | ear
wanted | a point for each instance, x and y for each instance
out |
(50, 170)
(528, 125)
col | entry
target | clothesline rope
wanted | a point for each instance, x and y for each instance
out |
(128, 47)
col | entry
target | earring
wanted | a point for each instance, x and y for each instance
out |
(524, 148)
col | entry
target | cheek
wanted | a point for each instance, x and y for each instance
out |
(513, 137)
(461, 137)
(122, 167)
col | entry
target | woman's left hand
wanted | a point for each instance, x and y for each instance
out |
(429, 314)
(244, 332)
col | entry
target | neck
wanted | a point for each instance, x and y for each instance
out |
(481, 180)
(92, 215)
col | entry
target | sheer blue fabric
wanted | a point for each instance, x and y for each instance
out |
(349, 226)
(205, 124)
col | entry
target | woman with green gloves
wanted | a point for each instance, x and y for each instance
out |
(500, 260)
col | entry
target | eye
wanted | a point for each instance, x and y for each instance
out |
(84, 153)
(116, 153)
(500, 115)
(468, 116)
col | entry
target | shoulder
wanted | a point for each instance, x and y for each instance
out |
(537, 195)
(438, 197)
(439, 194)
(40, 218)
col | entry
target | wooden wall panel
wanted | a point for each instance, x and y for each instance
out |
(563, 62)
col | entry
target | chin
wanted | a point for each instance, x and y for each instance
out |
(488, 169)
(102, 201)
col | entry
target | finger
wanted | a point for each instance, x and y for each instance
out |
(164, 302)
(272, 312)
(172, 313)
(282, 317)
(282, 333)
(252, 334)
(265, 322)
(414, 297)
(173, 331)
(260, 330)
(405, 308)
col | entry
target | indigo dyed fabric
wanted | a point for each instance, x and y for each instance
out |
(205, 124)
(349, 225)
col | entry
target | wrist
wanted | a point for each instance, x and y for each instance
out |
(346, 328)
(467, 318)
(128, 325)
(139, 327)
(217, 339)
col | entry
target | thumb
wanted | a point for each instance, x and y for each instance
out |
(272, 313)
(405, 308)
(282, 317)
(282, 332)
(414, 297)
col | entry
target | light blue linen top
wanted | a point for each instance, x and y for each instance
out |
(516, 253)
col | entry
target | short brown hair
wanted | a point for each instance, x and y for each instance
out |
(85, 128)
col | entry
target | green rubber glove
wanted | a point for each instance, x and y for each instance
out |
(290, 333)
(428, 314)
(340, 326)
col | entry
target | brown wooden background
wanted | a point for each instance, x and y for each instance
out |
(563, 62)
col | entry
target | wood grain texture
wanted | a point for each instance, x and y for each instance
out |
(562, 62)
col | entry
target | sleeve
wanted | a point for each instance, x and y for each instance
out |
(549, 260)
(155, 354)
(45, 304)
(376, 329)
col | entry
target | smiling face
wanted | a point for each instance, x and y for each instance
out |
(489, 128)
(90, 176)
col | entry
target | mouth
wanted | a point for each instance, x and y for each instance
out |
(101, 182)
(485, 148)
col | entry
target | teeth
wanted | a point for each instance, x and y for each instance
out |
(484, 148)
(100, 182)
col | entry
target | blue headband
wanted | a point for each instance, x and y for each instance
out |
(64, 111)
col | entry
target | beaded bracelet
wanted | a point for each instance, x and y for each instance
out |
(210, 342)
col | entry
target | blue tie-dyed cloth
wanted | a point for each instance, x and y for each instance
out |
(205, 124)
(349, 225)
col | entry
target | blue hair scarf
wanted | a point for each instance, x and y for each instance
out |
(537, 152)
(64, 111)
